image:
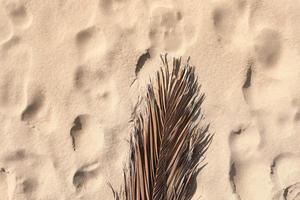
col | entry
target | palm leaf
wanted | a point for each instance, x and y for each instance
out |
(166, 146)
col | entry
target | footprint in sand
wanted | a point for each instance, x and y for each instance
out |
(244, 142)
(77, 127)
(224, 22)
(90, 43)
(34, 107)
(11, 43)
(84, 175)
(272, 13)
(108, 6)
(243, 175)
(90, 81)
(229, 22)
(286, 176)
(25, 187)
(95, 83)
(16, 63)
(84, 138)
(225, 19)
(246, 166)
(286, 171)
(18, 14)
(166, 28)
(18, 155)
(123, 13)
(268, 47)
(249, 147)
(25, 176)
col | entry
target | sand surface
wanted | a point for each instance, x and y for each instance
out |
(67, 91)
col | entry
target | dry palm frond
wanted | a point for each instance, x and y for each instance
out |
(166, 145)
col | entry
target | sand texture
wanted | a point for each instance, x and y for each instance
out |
(72, 71)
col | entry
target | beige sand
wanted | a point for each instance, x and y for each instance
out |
(66, 94)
